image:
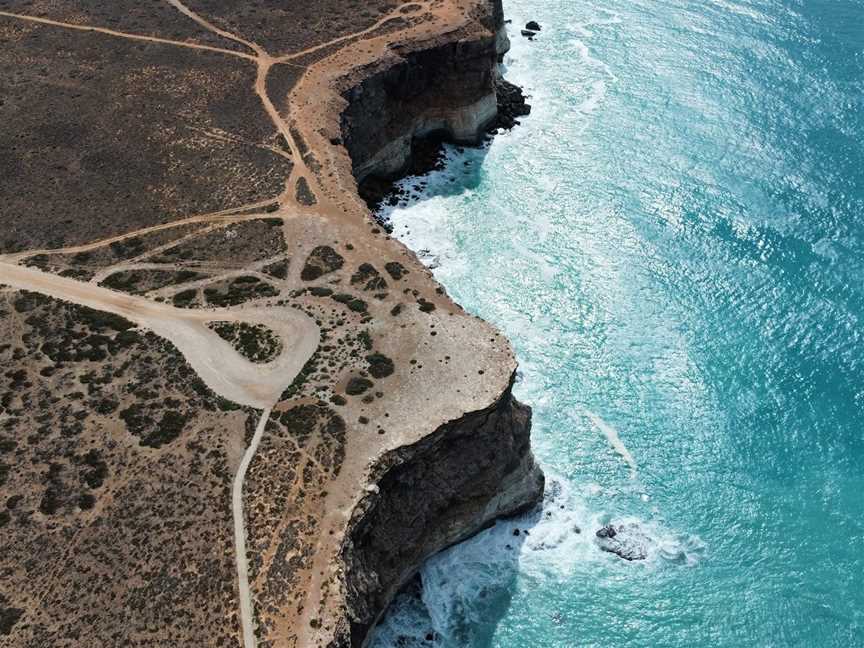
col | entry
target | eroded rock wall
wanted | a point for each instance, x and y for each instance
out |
(470, 471)
(449, 88)
(431, 495)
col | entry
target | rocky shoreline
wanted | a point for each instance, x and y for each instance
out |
(432, 495)
(427, 151)
(310, 482)
(456, 481)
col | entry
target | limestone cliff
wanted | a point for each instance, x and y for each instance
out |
(447, 87)
(381, 427)
(432, 494)
(452, 483)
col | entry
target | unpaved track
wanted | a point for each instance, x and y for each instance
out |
(224, 370)
(215, 361)
(227, 217)
(264, 62)
(421, 6)
(209, 26)
(120, 34)
(246, 612)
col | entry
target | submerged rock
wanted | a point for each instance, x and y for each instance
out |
(533, 25)
(626, 541)
(607, 531)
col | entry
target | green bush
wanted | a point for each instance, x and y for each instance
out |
(358, 385)
(426, 306)
(380, 366)
(395, 270)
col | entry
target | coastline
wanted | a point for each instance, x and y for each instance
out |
(237, 410)
(389, 428)
(504, 478)
(423, 151)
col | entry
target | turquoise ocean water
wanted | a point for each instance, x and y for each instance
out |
(674, 242)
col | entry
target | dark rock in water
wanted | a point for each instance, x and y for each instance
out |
(515, 532)
(533, 25)
(427, 154)
(511, 105)
(627, 553)
(607, 531)
(529, 34)
(626, 541)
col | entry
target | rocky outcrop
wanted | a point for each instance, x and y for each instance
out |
(455, 478)
(626, 541)
(450, 91)
(430, 495)
(511, 104)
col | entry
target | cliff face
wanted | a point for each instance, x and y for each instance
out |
(440, 449)
(394, 438)
(448, 88)
(458, 479)
(433, 494)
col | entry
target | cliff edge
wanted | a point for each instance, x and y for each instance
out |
(234, 407)
(432, 494)
(457, 474)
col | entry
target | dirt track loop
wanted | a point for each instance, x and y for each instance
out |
(224, 370)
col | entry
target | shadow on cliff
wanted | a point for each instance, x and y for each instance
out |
(462, 593)
(437, 168)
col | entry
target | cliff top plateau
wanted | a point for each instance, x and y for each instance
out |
(233, 410)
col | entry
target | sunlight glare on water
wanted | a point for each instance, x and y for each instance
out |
(674, 242)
